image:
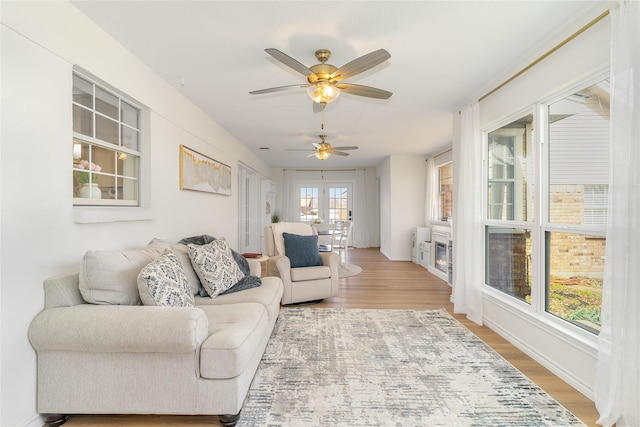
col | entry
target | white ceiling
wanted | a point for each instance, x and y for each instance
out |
(444, 54)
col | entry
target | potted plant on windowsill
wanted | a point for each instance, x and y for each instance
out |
(88, 179)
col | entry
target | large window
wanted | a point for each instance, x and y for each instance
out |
(578, 164)
(105, 146)
(554, 263)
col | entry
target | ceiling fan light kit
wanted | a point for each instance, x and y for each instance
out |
(323, 92)
(322, 155)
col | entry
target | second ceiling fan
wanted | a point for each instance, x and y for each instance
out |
(324, 150)
(325, 80)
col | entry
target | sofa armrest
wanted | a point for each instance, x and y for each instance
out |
(118, 328)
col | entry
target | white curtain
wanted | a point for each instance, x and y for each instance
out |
(431, 193)
(468, 275)
(360, 231)
(289, 199)
(618, 373)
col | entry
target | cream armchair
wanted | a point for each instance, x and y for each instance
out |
(301, 284)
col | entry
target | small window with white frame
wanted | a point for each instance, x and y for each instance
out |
(106, 146)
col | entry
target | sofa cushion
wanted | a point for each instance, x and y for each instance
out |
(236, 332)
(215, 266)
(182, 253)
(268, 294)
(163, 282)
(111, 277)
(302, 251)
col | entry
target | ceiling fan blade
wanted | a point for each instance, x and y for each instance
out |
(291, 63)
(299, 149)
(276, 89)
(360, 90)
(346, 147)
(339, 153)
(360, 64)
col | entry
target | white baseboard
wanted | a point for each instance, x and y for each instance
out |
(36, 421)
(530, 346)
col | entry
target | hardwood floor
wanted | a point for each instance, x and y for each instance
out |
(388, 284)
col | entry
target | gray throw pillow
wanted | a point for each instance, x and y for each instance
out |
(302, 251)
(163, 282)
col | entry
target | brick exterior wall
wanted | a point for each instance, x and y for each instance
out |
(573, 254)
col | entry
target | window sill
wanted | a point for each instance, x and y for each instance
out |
(94, 215)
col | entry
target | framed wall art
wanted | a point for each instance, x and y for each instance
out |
(201, 173)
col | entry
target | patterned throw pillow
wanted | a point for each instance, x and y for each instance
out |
(215, 266)
(163, 282)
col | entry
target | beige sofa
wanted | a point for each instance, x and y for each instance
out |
(134, 359)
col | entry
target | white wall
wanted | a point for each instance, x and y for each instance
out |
(402, 191)
(568, 352)
(40, 44)
(371, 236)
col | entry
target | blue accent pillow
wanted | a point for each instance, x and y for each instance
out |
(302, 251)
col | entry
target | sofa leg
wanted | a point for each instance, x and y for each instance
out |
(53, 420)
(229, 420)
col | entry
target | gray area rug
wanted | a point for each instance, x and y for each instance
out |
(355, 367)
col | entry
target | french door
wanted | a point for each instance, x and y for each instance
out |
(329, 202)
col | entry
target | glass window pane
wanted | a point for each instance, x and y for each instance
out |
(130, 138)
(509, 195)
(107, 130)
(107, 103)
(578, 153)
(129, 115)
(128, 165)
(82, 121)
(575, 268)
(501, 203)
(82, 92)
(308, 204)
(127, 189)
(446, 191)
(508, 261)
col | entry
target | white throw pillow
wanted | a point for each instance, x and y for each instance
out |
(163, 282)
(215, 266)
